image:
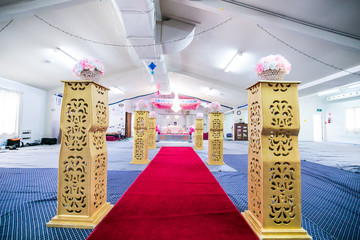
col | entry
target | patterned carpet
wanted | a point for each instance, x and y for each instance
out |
(330, 200)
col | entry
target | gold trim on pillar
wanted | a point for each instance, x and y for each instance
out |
(216, 140)
(82, 180)
(152, 133)
(274, 180)
(141, 139)
(199, 134)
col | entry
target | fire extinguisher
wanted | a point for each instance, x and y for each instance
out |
(329, 118)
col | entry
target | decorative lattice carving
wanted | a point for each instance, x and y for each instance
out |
(101, 113)
(75, 138)
(282, 87)
(280, 143)
(254, 89)
(217, 134)
(282, 113)
(77, 111)
(100, 90)
(199, 125)
(255, 187)
(100, 175)
(282, 200)
(216, 147)
(255, 115)
(139, 133)
(78, 86)
(74, 174)
(198, 138)
(99, 139)
(140, 122)
(139, 148)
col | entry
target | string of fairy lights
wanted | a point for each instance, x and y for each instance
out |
(305, 54)
(128, 45)
(7, 25)
(183, 38)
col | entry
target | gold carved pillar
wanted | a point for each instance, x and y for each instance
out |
(274, 180)
(199, 135)
(152, 133)
(82, 184)
(216, 140)
(141, 139)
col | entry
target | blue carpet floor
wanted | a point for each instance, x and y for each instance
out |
(330, 200)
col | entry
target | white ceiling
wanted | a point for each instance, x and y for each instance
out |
(197, 71)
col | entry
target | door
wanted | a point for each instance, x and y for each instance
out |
(317, 128)
(128, 125)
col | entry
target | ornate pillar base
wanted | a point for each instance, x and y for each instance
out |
(145, 161)
(64, 221)
(274, 234)
(214, 163)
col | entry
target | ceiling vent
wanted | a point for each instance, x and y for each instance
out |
(343, 96)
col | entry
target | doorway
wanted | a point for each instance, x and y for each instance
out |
(317, 128)
(128, 125)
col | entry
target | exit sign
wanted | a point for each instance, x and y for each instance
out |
(319, 110)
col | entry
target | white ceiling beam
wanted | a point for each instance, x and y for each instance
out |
(264, 19)
(330, 77)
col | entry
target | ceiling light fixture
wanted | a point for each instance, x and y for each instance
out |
(116, 90)
(335, 90)
(60, 57)
(354, 85)
(67, 54)
(232, 61)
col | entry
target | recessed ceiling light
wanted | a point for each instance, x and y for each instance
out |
(335, 90)
(233, 61)
(354, 85)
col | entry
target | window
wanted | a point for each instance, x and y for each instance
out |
(353, 120)
(9, 113)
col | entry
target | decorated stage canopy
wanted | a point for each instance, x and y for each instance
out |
(166, 103)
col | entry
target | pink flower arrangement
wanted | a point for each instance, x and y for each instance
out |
(273, 62)
(157, 129)
(214, 106)
(152, 114)
(141, 105)
(88, 63)
(199, 115)
(192, 129)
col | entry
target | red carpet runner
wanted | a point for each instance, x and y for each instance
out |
(175, 197)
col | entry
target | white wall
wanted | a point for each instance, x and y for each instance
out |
(32, 108)
(228, 123)
(308, 107)
(336, 130)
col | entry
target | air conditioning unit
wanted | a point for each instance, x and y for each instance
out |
(26, 136)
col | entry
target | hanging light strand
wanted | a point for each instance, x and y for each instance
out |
(307, 55)
(127, 45)
(7, 25)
